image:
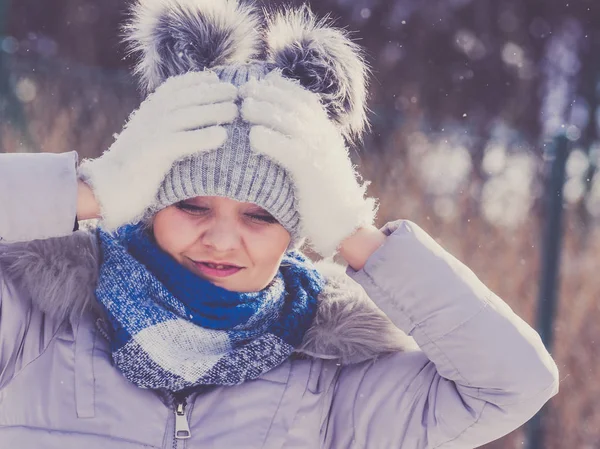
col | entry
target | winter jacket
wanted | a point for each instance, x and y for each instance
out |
(476, 372)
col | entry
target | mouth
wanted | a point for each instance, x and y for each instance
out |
(218, 270)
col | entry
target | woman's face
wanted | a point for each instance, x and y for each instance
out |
(234, 245)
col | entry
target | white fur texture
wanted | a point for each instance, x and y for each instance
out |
(325, 49)
(239, 24)
(60, 275)
(290, 126)
(350, 331)
(183, 117)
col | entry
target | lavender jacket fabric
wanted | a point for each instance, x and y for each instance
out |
(479, 371)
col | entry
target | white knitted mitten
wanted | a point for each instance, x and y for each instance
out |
(182, 117)
(290, 125)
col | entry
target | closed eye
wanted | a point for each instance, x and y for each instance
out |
(265, 218)
(195, 210)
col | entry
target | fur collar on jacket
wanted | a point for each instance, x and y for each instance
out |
(60, 275)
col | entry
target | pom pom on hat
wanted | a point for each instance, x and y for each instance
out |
(173, 37)
(324, 60)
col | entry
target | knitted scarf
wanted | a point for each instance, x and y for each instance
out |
(173, 330)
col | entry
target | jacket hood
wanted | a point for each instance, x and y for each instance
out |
(60, 275)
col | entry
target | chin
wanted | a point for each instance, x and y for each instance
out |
(236, 287)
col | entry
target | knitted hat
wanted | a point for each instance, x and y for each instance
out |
(173, 37)
(234, 170)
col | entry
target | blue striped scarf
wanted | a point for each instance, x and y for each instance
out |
(173, 330)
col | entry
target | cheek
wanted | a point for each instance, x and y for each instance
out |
(268, 249)
(172, 232)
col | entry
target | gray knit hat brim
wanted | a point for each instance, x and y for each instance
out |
(241, 175)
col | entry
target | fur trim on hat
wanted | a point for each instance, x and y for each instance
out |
(60, 275)
(324, 60)
(173, 37)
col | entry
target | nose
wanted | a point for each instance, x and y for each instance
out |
(222, 235)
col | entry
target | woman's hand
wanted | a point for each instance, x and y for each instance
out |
(291, 126)
(357, 248)
(184, 116)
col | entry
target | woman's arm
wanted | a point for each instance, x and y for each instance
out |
(38, 195)
(39, 199)
(482, 371)
(87, 205)
(357, 248)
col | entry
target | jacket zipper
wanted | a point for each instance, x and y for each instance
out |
(182, 408)
(182, 404)
(182, 426)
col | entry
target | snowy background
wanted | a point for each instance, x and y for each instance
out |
(465, 98)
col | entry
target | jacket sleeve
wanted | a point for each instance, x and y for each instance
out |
(38, 195)
(481, 371)
(38, 200)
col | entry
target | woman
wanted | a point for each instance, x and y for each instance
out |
(188, 318)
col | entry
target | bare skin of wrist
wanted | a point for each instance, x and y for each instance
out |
(87, 206)
(357, 248)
